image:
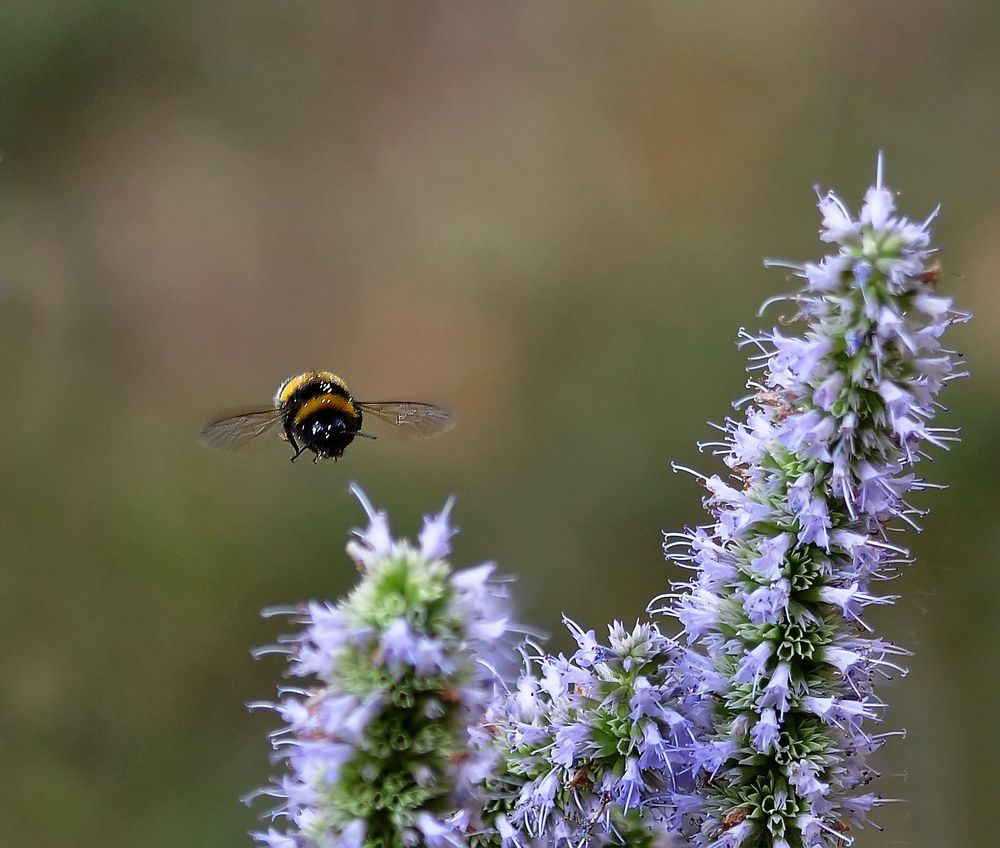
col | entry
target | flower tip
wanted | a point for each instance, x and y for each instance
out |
(376, 540)
(366, 504)
(879, 169)
(437, 531)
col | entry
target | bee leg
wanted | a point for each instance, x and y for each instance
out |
(295, 445)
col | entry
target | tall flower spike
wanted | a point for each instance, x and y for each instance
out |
(800, 541)
(381, 742)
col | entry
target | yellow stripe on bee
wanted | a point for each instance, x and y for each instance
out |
(334, 403)
(293, 384)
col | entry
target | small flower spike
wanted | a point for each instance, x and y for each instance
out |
(595, 744)
(379, 740)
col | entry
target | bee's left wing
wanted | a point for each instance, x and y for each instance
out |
(235, 431)
(409, 419)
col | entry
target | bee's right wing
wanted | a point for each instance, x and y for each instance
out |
(409, 419)
(234, 432)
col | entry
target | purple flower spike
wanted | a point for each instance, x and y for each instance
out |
(382, 744)
(595, 744)
(799, 545)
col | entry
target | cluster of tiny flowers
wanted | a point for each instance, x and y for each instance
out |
(800, 541)
(596, 744)
(381, 746)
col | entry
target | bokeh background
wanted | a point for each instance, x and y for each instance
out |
(549, 215)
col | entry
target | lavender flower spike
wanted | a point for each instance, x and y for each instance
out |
(595, 744)
(800, 543)
(381, 743)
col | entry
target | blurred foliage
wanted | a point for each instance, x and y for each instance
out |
(550, 216)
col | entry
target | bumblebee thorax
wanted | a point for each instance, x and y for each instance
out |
(301, 387)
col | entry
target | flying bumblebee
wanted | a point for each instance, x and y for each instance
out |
(317, 413)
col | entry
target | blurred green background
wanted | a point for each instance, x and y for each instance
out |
(550, 216)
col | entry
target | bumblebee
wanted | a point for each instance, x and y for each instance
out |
(317, 413)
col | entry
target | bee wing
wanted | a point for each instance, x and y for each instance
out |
(234, 432)
(408, 419)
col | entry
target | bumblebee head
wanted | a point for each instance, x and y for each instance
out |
(328, 434)
(324, 426)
